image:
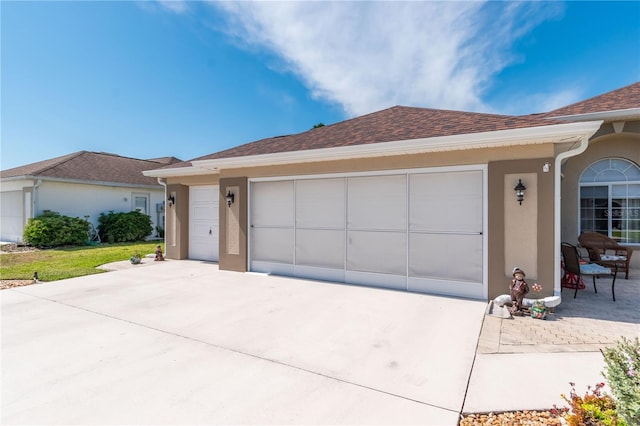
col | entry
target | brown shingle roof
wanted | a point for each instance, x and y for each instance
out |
(392, 124)
(90, 166)
(624, 98)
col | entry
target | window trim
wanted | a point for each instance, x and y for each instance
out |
(609, 185)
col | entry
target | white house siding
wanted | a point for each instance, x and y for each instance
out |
(80, 200)
(70, 199)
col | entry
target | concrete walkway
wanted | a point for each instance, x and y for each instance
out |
(551, 353)
(180, 342)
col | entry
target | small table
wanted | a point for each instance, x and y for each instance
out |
(612, 258)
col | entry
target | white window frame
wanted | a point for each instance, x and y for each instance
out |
(609, 186)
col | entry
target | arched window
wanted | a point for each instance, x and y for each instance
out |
(610, 199)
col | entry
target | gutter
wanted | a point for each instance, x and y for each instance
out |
(557, 210)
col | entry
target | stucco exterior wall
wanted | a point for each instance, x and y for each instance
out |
(177, 220)
(80, 200)
(605, 144)
(233, 225)
(520, 235)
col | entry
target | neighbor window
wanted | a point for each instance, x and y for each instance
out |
(610, 200)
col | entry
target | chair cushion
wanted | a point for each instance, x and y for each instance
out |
(594, 269)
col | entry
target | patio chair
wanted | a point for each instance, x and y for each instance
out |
(572, 266)
(606, 251)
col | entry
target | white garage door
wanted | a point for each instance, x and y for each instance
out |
(203, 222)
(418, 230)
(11, 216)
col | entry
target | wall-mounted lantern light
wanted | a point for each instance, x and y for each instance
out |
(171, 199)
(546, 167)
(230, 198)
(520, 188)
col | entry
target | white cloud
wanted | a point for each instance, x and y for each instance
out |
(176, 6)
(368, 56)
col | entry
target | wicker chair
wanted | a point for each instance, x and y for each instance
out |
(572, 265)
(599, 245)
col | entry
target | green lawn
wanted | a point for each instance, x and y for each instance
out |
(62, 263)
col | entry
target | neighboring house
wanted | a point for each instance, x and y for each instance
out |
(415, 199)
(79, 185)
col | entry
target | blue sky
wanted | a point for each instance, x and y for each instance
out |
(172, 78)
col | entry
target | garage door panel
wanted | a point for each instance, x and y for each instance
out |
(275, 201)
(320, 203)
(321, 248)
(11, 219)
(203, 222)
(379, 252)
(272, 245)
(454, 257)
(446, 202)
(377, 202)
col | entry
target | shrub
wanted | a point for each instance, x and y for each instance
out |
(622, 371)
(593, 408)
(51, 229)
(124, 227)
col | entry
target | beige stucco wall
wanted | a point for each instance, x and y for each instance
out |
(605, 144)
(517, 234)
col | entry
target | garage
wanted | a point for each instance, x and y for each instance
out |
(415, 230)
(203, 222)
(12, 217)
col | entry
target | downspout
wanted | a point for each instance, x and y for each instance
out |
(163, 182)
(557, 211)
(36, 184)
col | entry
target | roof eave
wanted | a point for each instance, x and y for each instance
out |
(607, 116)
(178, 171)
(555, 133)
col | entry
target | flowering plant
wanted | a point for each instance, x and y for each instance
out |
(537, 290)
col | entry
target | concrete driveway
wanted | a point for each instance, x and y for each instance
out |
(181, 342)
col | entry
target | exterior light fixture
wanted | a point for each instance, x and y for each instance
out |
(546, 167)
(230, 198)
(171, 199)
(520, 188)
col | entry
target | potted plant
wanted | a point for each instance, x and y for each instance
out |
(135, 259)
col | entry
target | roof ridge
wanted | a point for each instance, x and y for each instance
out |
(583, 101)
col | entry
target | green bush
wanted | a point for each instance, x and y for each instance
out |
(124, 227)
(622, 371)
(51, 229)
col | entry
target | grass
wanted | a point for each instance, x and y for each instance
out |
(62, 263)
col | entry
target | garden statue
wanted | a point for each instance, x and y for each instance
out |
(159, 255)
(518, 289)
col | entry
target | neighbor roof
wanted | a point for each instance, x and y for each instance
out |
(392, 124)
(627, 97)
(91, 166)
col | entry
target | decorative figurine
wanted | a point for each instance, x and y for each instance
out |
(159, 255)
(518, 289)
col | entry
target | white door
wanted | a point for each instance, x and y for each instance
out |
(11, 217)
(418, 231)
(203, 222)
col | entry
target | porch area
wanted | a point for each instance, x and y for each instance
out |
(587, 323)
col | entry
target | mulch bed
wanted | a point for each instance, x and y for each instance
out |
(5, 284)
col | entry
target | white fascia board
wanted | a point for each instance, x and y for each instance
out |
(83, 182)
(556, 133)
(178, 171)
(617, 115)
